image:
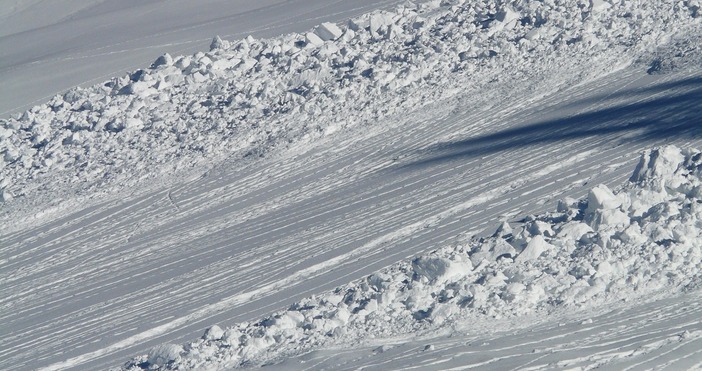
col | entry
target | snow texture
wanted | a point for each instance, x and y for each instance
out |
(247, 98)
(641, 239)
(244, 98)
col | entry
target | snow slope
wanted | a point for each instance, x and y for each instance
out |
(47, 47)
(633, 243)
(223, 186)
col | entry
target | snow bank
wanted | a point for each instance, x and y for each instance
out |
(241, 99)
(611, 245)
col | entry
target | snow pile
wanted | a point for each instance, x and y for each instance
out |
(241, 99)
(611, 245)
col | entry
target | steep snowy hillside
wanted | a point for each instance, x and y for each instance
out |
(221, 187)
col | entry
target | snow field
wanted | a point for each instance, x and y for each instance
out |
(188, 114)
(642, 239)
(244, 98)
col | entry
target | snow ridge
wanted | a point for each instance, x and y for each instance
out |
(242, 99)
(638, 240)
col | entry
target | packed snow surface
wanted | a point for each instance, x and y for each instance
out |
(345, 169)
(638, 240)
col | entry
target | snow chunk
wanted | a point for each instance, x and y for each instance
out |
(658, 163)
(534, 249)
(440, 269)
(164, 354)
(213, 333)
(288, 320)
(601, 198)
(218, 43)
(380, 20)
(508, 18)
(599, 5)
(328, 31)
(312, 39)
(574, 230)
(164, 60)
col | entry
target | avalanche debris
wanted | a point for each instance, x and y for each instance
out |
(576, 256)
(185, 113)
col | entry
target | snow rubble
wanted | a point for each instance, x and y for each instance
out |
(241, 99)
(642, 239)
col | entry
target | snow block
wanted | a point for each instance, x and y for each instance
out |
(213, 333)
(164, 60)
(599, 5)
(218, 43)
(380, 20)
(312, 39)
(601, 198)
(534, 249)
(533, 34)
(328, 31)
(659, 163)
(574, 230)
(6, 196)
(289, 320)
(508, 17)
(164, 354)
(440, 269)
(359, 24)
(493, 250)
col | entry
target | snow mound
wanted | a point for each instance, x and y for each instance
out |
(244, 98)
(612, 245)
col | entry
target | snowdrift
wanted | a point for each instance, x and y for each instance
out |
(242, 99)
(642, 239)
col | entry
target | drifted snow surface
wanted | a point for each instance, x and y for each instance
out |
(225, 185)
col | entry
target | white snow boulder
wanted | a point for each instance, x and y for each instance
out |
(601, 198)
(508, 18)
(534, 249)
(218, 43)
(164, 354)
(493, 249)
(288, 320)
(599, 5)
(328, 31)
(380, 20)
(312, 39)
(164, 60)
(659, 163)
(6, 196)
(574, 231)
(438, 269)
(213, 333)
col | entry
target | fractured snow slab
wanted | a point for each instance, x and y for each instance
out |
(328, 31)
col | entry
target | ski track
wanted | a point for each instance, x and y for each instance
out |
(657, 335)
(101, 283)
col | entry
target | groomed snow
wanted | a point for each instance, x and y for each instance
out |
(224, 185)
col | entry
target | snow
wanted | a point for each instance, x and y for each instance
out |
(344, 173)
(47, 47)
(259, 94)
(552, 271)
(328, 31)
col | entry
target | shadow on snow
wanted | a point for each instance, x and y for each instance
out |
(661, 113)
